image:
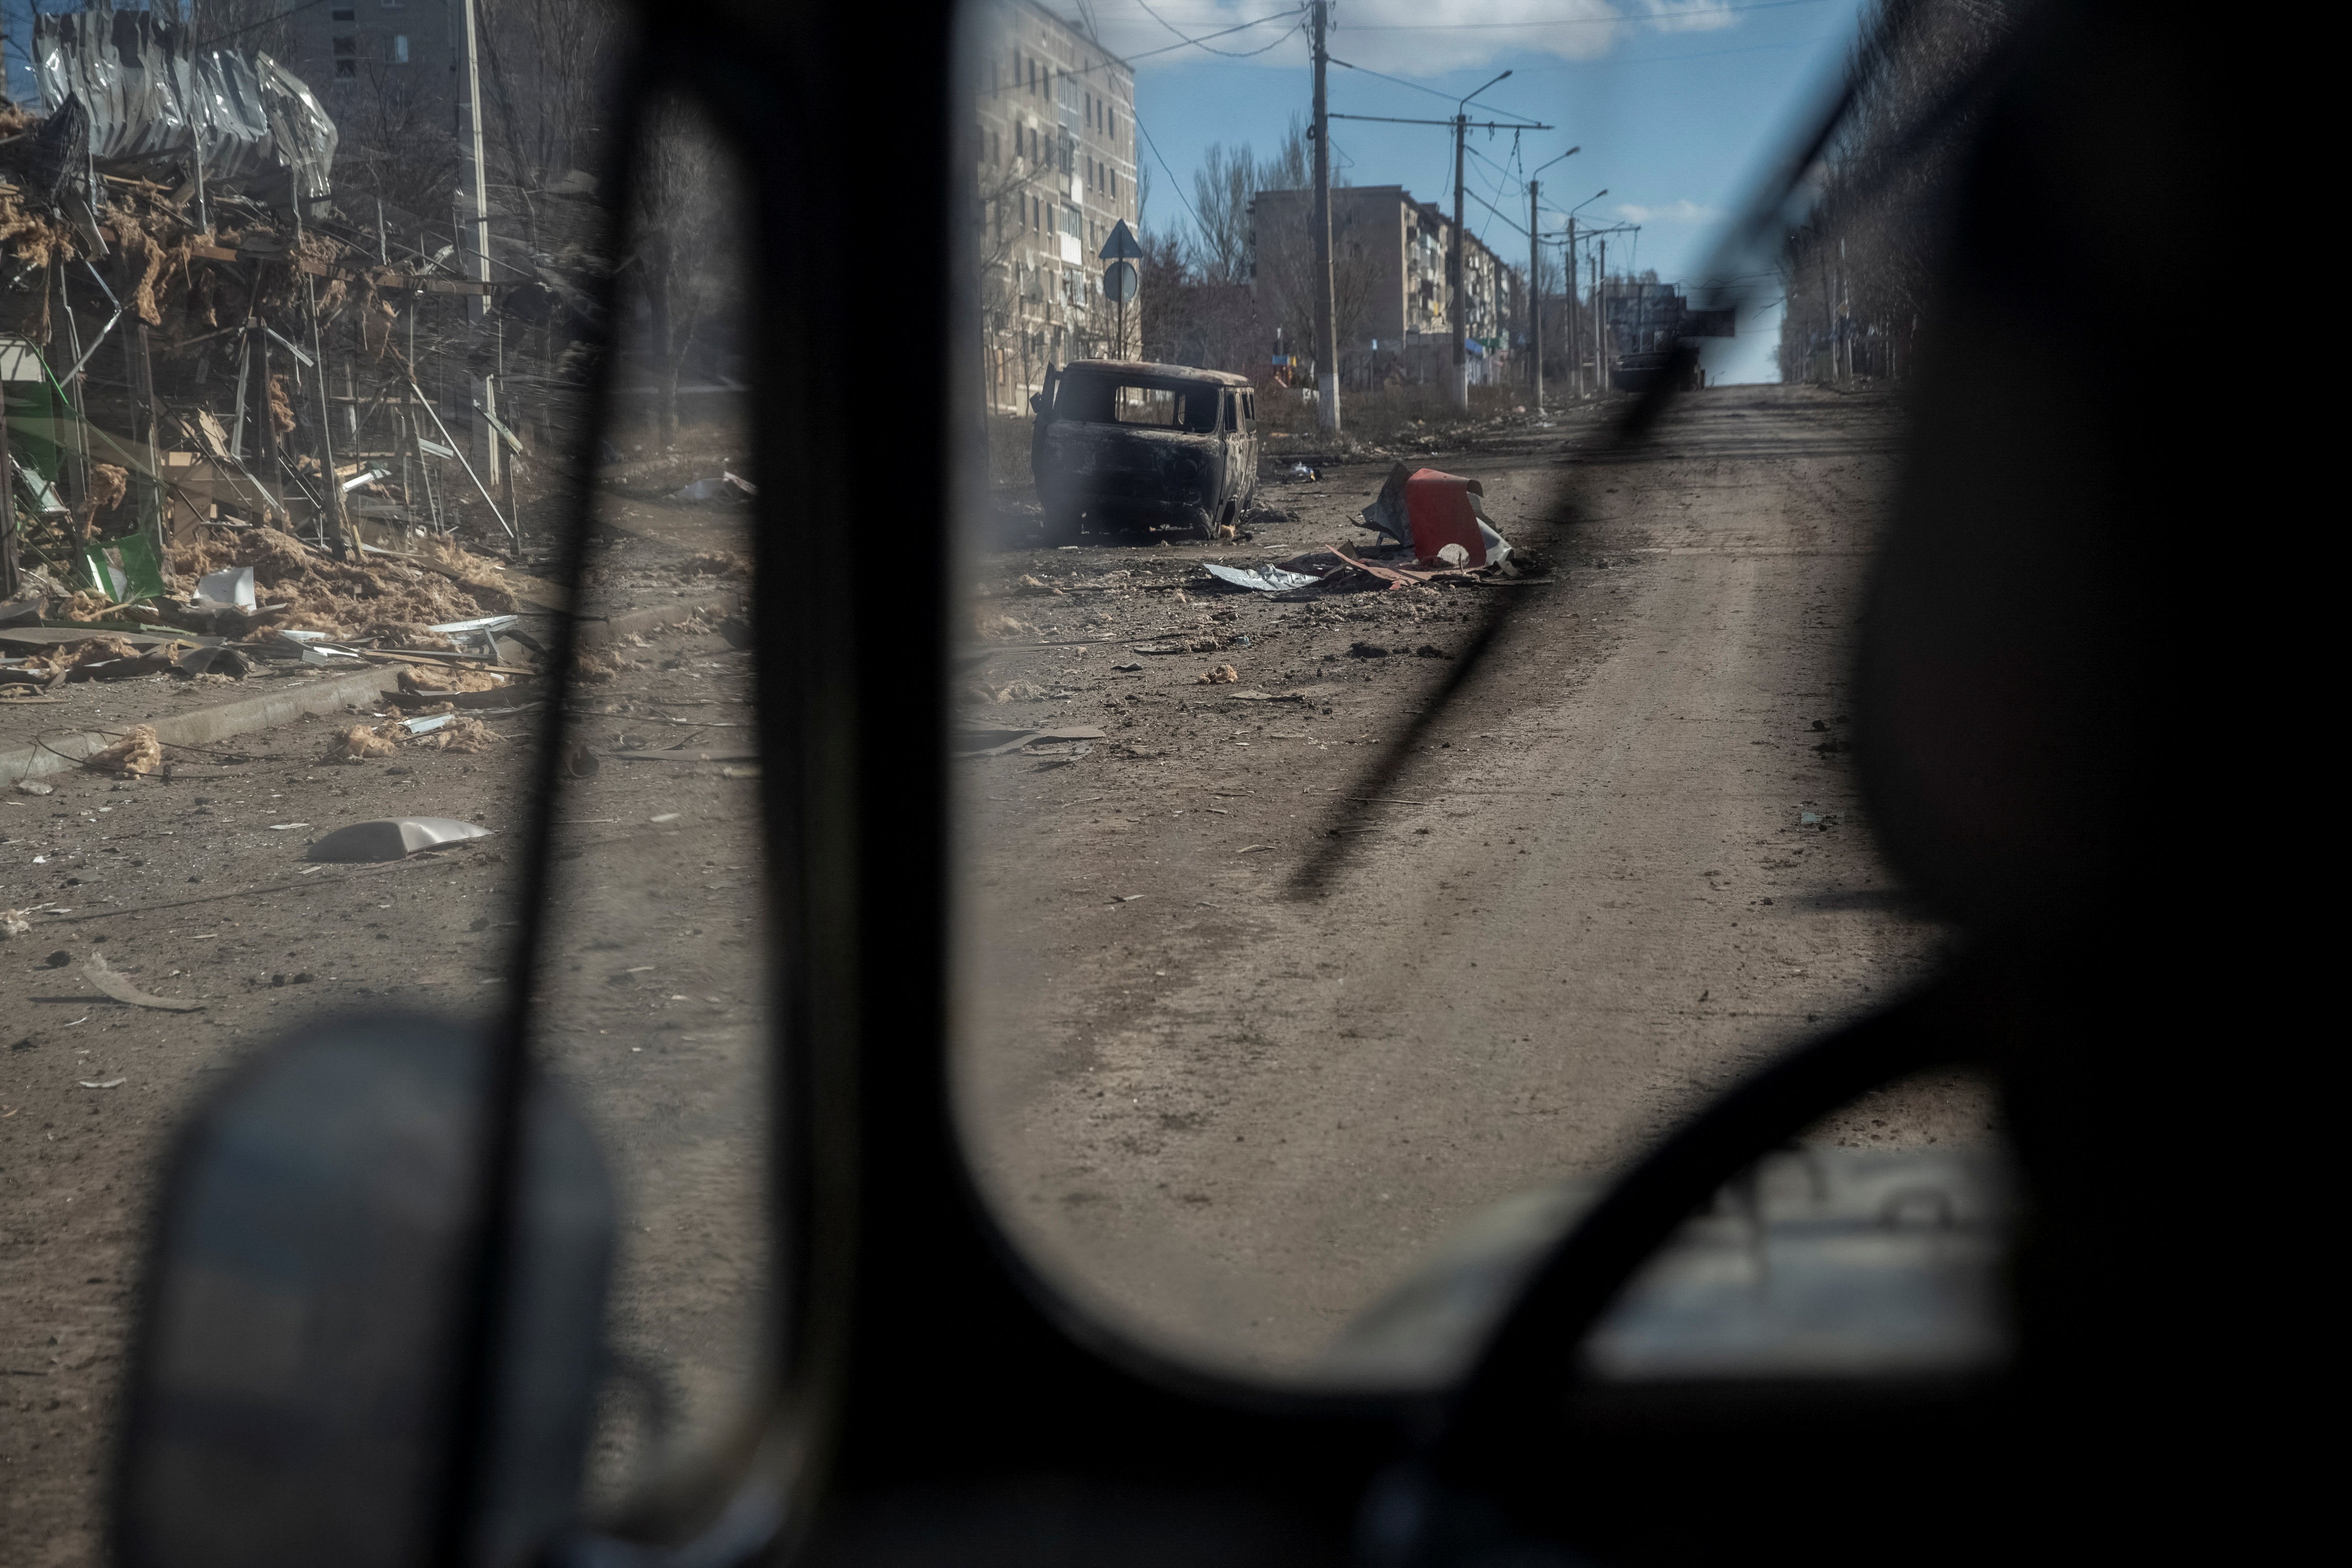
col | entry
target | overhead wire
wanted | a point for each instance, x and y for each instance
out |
(1196, 43)
(1562, 22)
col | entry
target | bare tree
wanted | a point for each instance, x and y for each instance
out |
(1222, 188)
(678, 231)
(1857, 276)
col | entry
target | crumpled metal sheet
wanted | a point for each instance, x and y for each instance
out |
(147, 98)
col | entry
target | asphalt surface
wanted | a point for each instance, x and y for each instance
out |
(1226, 1114)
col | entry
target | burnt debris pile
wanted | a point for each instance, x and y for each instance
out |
(216, 356)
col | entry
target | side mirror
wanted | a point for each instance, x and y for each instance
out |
(295, 1393)
(1036, 403)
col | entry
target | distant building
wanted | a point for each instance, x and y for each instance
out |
(380, 59)
(1389, 289)
(1055, 173)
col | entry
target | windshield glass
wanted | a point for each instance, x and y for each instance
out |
(1164, 405)
(1288, 948)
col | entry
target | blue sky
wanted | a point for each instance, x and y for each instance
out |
(1677, 105)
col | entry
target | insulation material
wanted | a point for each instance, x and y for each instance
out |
(359, 743)
(281, 405)
(718, 564)
(108, 483)
(449, 680)
(465, 735)
(137, 753)
(383, 598)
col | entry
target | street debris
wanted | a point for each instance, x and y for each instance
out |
(107, 1083)
(1221, 675)
(361, 743)
(712, 490)
(1426, 510)
(582, 763)
(230, 588)
(34, 786)
(224, 661)
(394, 838)
(1262, 578)
(740, 771)
(12, 924)
(981, 741)
(138, 752)
(99, 973)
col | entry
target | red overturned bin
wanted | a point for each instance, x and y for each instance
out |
(1444, 508)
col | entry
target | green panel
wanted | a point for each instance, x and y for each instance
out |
(141, 566)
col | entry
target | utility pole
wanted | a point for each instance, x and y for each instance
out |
(1535, 291)
(1575, 367)
(1600, 320)
(1326, 323)
(1458, 389)
(475, 235)
(1458, 372)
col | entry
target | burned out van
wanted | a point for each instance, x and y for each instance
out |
(1124, 445)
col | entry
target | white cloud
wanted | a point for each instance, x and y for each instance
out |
(1683, 211)
(1405, 38)
(1688, 16)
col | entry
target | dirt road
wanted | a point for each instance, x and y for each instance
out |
(1629, 865)
(1230, 1115)
(198, 888)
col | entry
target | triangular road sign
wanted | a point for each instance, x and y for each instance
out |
(1121, 246)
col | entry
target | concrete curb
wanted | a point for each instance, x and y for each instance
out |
(266, 710)
(262, 711)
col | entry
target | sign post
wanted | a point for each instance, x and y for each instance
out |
(1121, 279)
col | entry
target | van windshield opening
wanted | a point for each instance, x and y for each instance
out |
(1160, 405)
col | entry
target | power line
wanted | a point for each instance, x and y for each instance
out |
(1563, 22)
(1416, 87)
(1198, 226)
(1229, 54)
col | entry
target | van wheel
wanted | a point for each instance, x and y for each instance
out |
(1062, 525)
(1215, 523)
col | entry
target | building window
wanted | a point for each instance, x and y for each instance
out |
(344, 14)
(347, 57)
(400, 48)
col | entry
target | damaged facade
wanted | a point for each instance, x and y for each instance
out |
(1054, 155)
(215, 353)
(1389, 288)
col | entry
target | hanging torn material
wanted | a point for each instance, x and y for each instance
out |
(147, 98)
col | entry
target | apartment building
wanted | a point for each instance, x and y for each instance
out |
(1388, 289)
(392, 56)
(1056, 173)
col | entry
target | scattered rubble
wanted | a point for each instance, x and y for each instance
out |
(137, 753)
(99, 973)
(394, 838)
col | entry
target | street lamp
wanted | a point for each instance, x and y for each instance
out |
(1540, 168)
(1468, 96)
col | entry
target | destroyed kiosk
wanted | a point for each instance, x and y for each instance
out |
(213, 357)
(1122, 444)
